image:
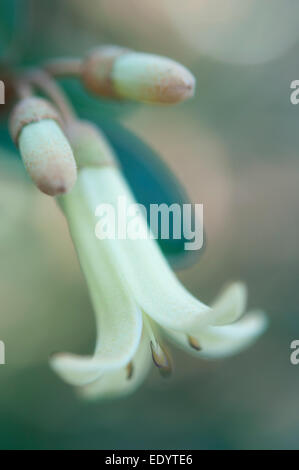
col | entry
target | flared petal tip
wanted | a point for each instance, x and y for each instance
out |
(225, 341)
(257, 322)
(230, 305)
(75, 370)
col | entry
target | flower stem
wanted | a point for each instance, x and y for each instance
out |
(44, 82)
(64, 67)
(23, 89)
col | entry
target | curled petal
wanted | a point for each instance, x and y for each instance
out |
(223, 341)
(119, 320)
(119, 383)
(230, 305)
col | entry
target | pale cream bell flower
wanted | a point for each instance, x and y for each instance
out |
(136, 296)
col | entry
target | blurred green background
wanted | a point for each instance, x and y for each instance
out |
(235, 148)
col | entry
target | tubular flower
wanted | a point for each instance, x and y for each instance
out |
(136, 296)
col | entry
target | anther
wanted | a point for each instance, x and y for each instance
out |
(161, 359)
(130, 370)
(194, 343)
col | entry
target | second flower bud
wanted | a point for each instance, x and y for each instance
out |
(47, 155)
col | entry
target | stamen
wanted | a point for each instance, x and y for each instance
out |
(130, 370)
(194, 343)
(161, 359)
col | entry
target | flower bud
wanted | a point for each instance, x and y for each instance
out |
(45, 151)
(89, 145)
(120, 73)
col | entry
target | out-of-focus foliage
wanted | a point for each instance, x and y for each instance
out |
(8, 14)
(247, 32)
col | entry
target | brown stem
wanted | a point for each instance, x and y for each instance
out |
(64, 67)
(42, 80)
(23, 89)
